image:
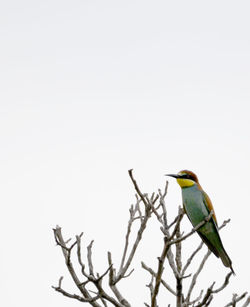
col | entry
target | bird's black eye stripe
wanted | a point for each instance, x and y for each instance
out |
(186, 176)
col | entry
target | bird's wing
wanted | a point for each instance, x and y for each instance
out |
(207, 239)
(208, 243)
(208, 204)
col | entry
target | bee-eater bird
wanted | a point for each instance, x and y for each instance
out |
(198, 206)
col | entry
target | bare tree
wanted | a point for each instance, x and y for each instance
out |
(110, 295)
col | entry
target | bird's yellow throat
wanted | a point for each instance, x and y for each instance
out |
(184, 183)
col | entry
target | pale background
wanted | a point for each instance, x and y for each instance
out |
(90, 89)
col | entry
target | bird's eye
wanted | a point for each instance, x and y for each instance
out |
(186, 176)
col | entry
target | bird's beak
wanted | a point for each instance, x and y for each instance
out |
(172, 175)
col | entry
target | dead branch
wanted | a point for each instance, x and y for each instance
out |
(247, 302)
(90, 263)
(147, 214)
(179, 295)
(194, 279)
(74, 296)
(113, 285)
(132, 212)
(208, 296)
(66, 252)
(145, 267)
(97, 281)
(191, 258)
(236, 299)
(130, 172)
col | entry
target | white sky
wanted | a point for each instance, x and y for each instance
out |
(90, 89)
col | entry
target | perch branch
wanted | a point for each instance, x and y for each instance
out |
(236, 299)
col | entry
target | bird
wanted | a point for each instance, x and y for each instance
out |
(198, 206)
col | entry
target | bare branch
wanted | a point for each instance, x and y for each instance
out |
(163, 206)
(109, 298)
(105, 273)
(79, 256)
(194, 279)
(191, 258)
(74, 296)
(224, 224)
(60, 241)
(165, 228)
(178, 263)
(124, 269)
(171, 262)
(226, 282)
(145, 267)
(150, 285)
(247, 302)
(148, 207)
(207, 296)
(113, 286)
(236, 299)
(159, 272)
(90, 264)
(81, 286)
(195, 300)
(210, 291)
(130, 172)
(132, 212)
(174, 221)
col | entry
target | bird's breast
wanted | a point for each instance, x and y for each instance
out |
(193, 202)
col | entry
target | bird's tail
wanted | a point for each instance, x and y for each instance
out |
(225, 259)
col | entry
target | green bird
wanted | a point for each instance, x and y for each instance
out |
(198, 206)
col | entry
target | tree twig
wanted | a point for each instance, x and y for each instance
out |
(60, 241)
(236, 299)
(145, 267)
(74, 296)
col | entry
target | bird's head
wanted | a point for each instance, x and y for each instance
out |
(185, 178)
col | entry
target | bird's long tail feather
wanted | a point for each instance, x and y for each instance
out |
(225, 259)
(218, 252)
